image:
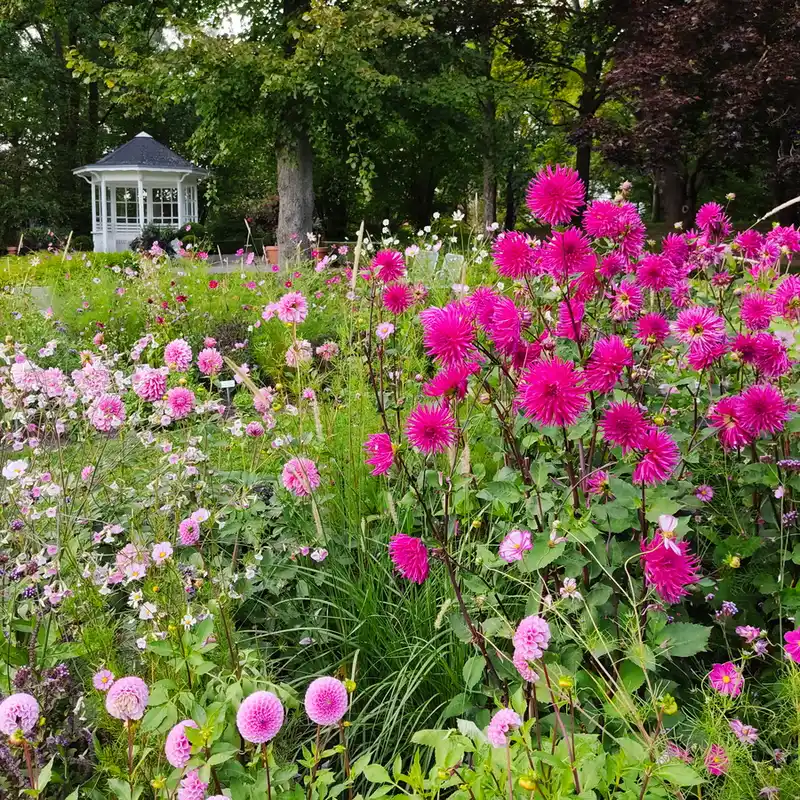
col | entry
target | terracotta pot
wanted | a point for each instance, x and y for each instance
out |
(12, 250)
(272, 253)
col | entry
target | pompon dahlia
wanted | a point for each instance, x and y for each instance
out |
(567, 253)
(209, 361)
(398, 298)
(192, 787)
(726, 679)
(177, 748)
(652, 329)
(667, 571)
(787, 298)
(260, 717)
(726, 417)
(127, 698)
(555, 194)
(149, 384)
(514, 255)
(763, 409)
(449, 333)
(389, 265)
(410, 557)
(188, 532)
(19, 712)
(552, 392)
(609, 358)
(523, 667)
(655, 272)
(501, 724)
(326, 701)
(624, 425)
(180, 402)
(627, 301)
(532, 637)
(450, 381)
(514, 546)
(699, 326)
(300, 476)
(381, 453)
(712, 220)
(757, 310)
(660, 455)
(178, 355)
(431, 428)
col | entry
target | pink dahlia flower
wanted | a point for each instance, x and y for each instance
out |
(660, 455)
(177, 748)
(770, 356)
(667, 571)
(254, 429)
(381, 453)
(107, 412)
(103, 680)
(567, 253)
(398, 297)
(127, 698)
(627, 301)
(188, 532)
(532, 637)
(502, 723)
(652, 329)
(388, 265)
(514, 546)
(149, 384)
(449, 333)
(763, 409)
(450, 381)
(607, 363)
(431, 429)
(624, 425)
(523, 667)
(178, 355)
(757, 310)
(712, 220)
(727, 417)
(209, 361)
(552, 392)
(410, 557)
(716, 760)
(260, 717)
(749, 243)
(300, 476)
(19, 712)
(192, 787)
(726, 679)
(180, 402)
(555, 194)
(699, 326)
(570, 320)
(792, 646)
(787, 298)
(504, 325)
(292, 308)
(655, 272)
(513, 255)
(326, 701)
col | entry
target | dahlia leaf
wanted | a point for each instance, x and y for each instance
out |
(683, 639)
(472, 671)
(678, 773)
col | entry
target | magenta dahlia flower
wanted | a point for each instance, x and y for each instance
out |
(398, 297)
(699, 326)
(624, 425)
(180, 402)
(763, 409)
(727, 417)
(326, 701)
(127, 698)
(792, 646)
(209, 361)
(655, 272)
(149, 384)
(712, 220)
(502, 723)
(532, 637)
(749, 243)
(410, 557)
(192, 787)
(19, 712)
(450, 381)
(716, 760)
(177, 748)
(514, 255)
(381, 453)
(567, 253)
(757, 310)
(389, 265)
(627, 301)
(300, 476)
(669, 569)
(178, 355)
(260, 717)
(787, 298)
(606, 364)
(514, 546)
(726, 679)
(431, 429)
(552, 392)
(660, 455)
(555, 194)
(449, 333)
(570, 320)
(770, 356)
(652, 329)
(188, 532)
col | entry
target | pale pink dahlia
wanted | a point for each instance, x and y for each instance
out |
(555, 194)
(107, 412)
(292, 308)
(660, 455)
(552, 392)
(188, 532)
(19, 712)
(532, 637)
(178, 355)
(177, 748)
(514, 546)
(180, 402)
(300, 476)
(726, 679)
(209, 361)
(523, 667)
(389, 265)
(410, 557)
(149, 383)
(260, 717)
(326, 701)
(667, 571)
(381, 453)
(127, 698)
(514, 255)
(502, 723)
(431, 429)
(192, 787)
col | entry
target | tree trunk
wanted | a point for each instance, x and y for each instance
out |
(583, 161)
(511, 201)
(295, 195)
(673, 193)
(656, 213)
(489, 165)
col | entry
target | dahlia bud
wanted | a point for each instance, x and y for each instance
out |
(668, 705)
(566, 683)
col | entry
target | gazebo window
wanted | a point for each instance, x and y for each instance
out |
(164, 206)
(127, 201)
(190, 203)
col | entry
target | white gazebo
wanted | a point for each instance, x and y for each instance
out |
(140, 183)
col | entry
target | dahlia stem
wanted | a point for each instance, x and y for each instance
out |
(26, 748)
(316, 762)
(265, 754)
(510, 778)
(129, 726)
(346, 760)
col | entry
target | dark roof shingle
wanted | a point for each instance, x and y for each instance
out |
(144, 151)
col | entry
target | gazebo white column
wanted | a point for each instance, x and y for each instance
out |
(103, 206)
(181, 212)
(142, 217)
(93, 187)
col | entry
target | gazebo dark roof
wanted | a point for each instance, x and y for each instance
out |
(145, 152)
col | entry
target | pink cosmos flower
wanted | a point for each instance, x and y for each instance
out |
(749, 633)
(627, 301)
(532, 637)
(431, 429)
(669, 570)
(381, 453)
(103, 680)
(787, 298)
(131, 554)
(726, 679)
(19, 712)
(552, 392)
(567, 253)
(209, 361)
(792, 646)
(704, 493)
(178, 355)
(502, 723)
(398, 297)
(326, 701)
(716, 760)
(292, 308)
(449, 333)
(655, 272)
(87, 472)
(192, 787)
(107, 412)
(162, 552)
(746, 734)
(727, 417)
(180, 402)
(555, 194)
(260, 717)
(652, 329)
(384, 330)
(624, 425)
(127, 699)
(189, 532)
(513, 255)
(699, 326)
(300, 476)
(177, 748)
(660, 455)
(410, 557)
(757, 310)
(388, 265)
(514, 546)
(450, 381)
(149, 384)
(606, 364)
(763, 409)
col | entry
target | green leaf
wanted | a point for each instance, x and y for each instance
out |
(472, 671)
(632, 675)
(678, 773)
(45, 775)
(642, 656)
(541, 555)
(634, 751)
(120, 789)
(375, 773)
(683, 639)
